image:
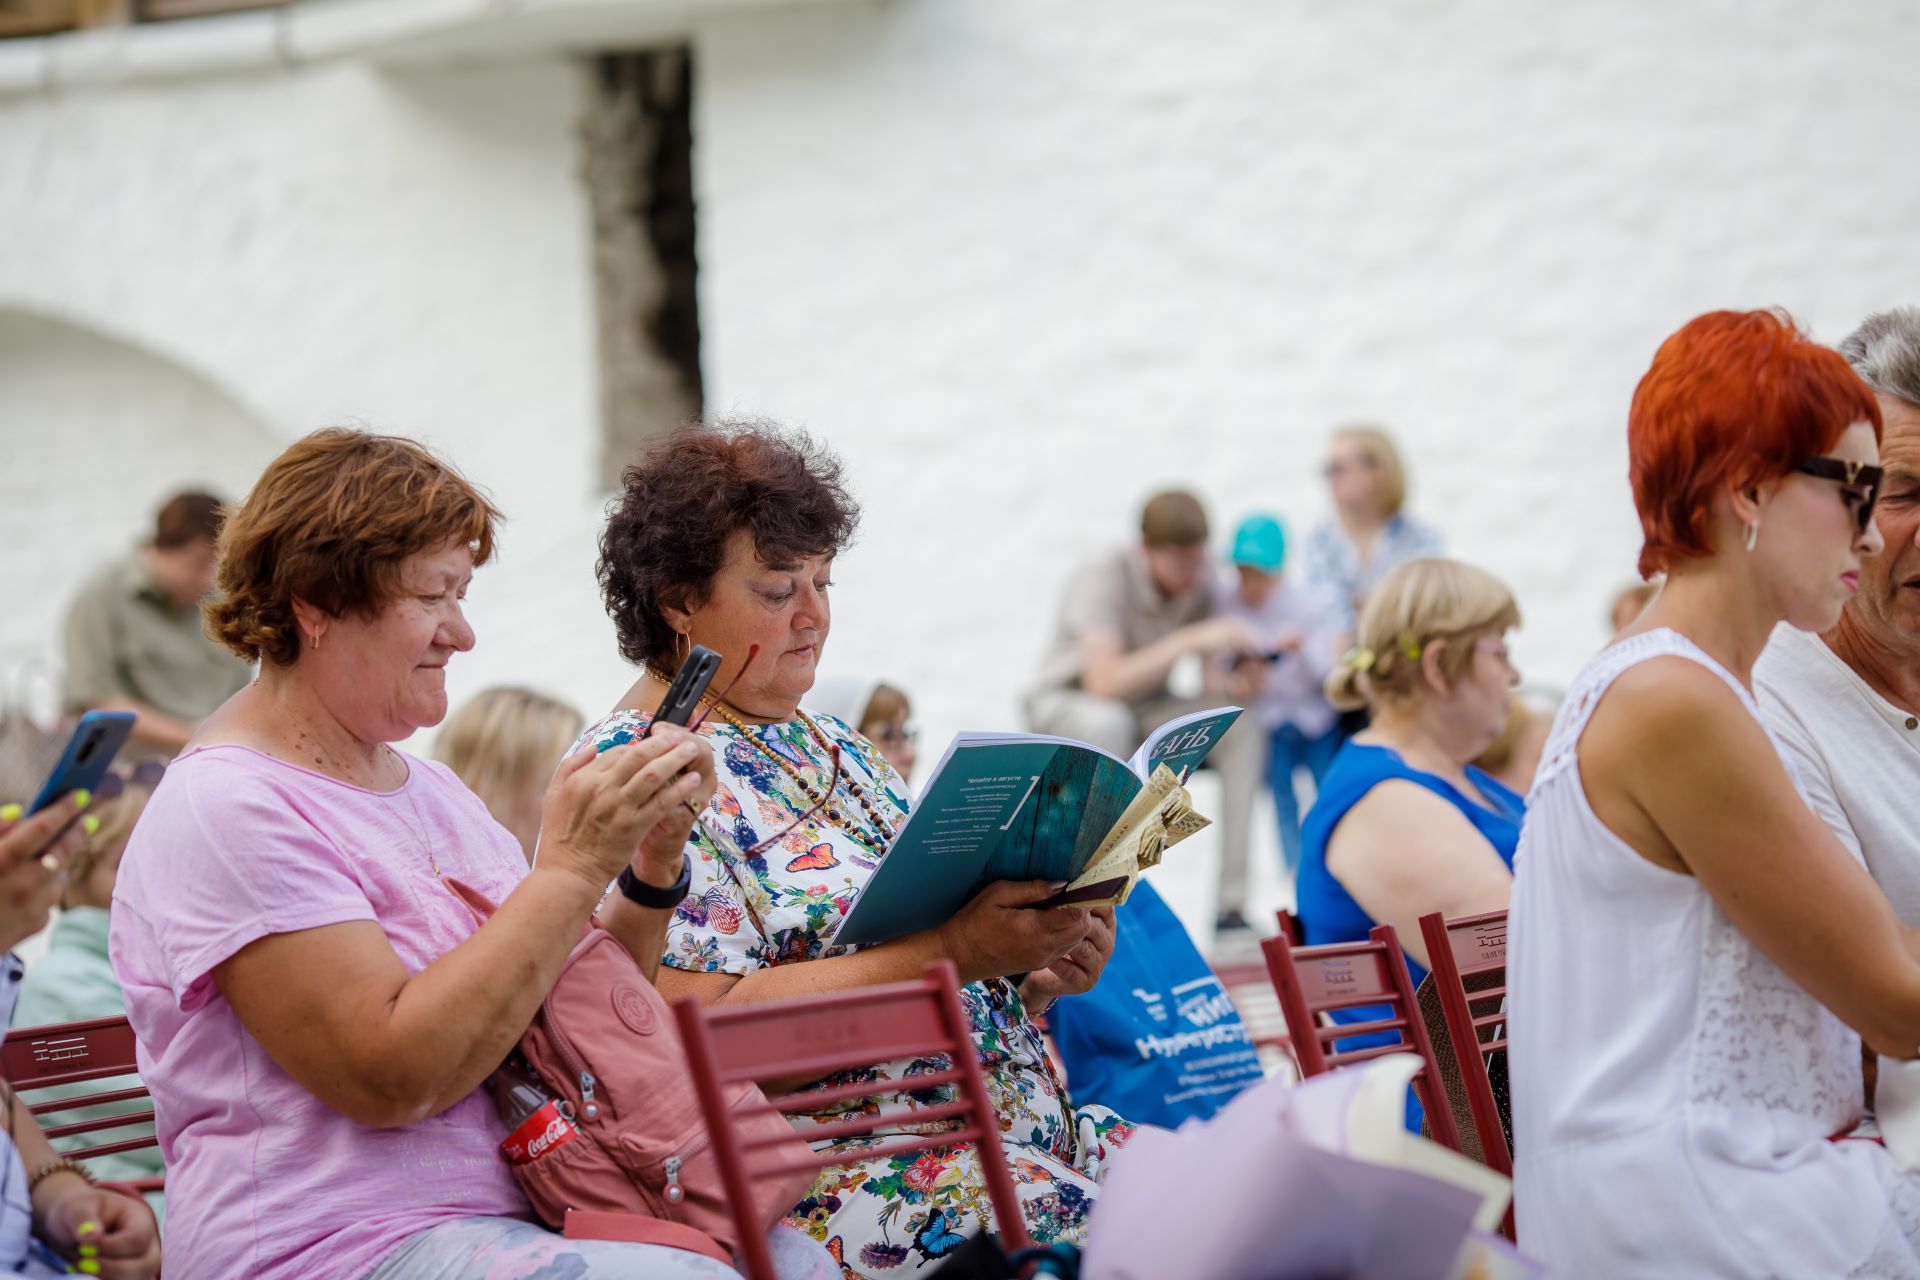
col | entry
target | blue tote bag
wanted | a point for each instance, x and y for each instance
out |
(1156, 1039)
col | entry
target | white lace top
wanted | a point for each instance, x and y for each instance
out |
(1673, 1090)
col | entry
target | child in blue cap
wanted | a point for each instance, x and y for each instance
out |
(1284, 687)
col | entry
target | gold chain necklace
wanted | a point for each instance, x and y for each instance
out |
(418, 827)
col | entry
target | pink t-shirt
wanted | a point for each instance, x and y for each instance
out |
(263, 1179)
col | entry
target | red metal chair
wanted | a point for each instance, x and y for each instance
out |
(1289, 925)
(1474, 949)
(35, 1058)
(1311, 981)
(817, 1036)
(1250, 987)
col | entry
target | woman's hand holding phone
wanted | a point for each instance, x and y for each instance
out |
(627, 804)
(34, 851)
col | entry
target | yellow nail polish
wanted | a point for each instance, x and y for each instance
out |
(88, 1228)
(91, 824)
(81, 798)
(88, 1266)
(10, 813)
(89, 1250)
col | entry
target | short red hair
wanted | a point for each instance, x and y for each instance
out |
(1732, 399)
(331, 521)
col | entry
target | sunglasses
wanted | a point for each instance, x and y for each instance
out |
(1859, 483)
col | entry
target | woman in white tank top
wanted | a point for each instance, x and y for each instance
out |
(1695, 958)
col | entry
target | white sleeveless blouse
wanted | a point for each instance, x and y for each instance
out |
(1673, 1090)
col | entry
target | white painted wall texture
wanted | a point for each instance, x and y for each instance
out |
(1021, 263)
(331, 244)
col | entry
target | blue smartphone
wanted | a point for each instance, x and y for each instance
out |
(96, 740)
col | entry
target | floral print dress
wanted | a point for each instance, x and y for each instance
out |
(890, 1216)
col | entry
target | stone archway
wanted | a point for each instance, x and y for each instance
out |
(94, 433)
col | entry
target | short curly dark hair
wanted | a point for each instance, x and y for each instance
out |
(667, 534)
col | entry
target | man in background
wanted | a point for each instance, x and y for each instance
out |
(1127, 617)
(134, 636)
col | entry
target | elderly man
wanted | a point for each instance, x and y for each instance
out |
(1847, 703)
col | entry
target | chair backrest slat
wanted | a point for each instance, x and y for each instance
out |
(38, 1058)
(861, 1126)
(93, 1100)
(1314, 980)
(70, 1053)
(1328, 1033)
(98, 1125)
(1474, 948)
(874, 1024)
(1478, 944)
(838, 1031)
(814, 1099)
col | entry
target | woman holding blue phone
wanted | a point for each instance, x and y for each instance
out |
(51, 1214)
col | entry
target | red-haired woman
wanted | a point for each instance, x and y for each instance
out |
(1695, 958)
(317, 1011)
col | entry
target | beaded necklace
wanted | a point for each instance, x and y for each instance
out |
(876, 836)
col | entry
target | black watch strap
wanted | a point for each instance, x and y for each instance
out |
(643, 894)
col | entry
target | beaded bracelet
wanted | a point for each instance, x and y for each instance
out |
(52, 1167)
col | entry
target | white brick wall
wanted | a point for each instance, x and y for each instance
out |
(1020, 262)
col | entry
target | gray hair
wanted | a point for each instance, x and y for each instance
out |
(1885, 352)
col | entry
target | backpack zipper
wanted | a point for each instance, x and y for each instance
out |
(674, 1192)
(589, 1109)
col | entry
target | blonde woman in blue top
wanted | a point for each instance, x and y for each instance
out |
(1403, 825)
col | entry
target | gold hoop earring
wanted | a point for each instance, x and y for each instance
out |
(314, 640)
(683, 647)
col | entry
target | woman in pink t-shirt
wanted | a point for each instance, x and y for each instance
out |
(316, 1011)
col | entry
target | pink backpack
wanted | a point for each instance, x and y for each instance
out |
(624, 1135)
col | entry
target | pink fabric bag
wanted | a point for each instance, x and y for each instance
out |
(605, 1045)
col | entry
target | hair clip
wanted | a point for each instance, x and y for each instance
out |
(1359, 659)
(1410, 646)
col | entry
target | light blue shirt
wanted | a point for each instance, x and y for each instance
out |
(16, 1212)
(1337, 575)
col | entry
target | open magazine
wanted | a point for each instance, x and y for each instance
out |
(1315, 1179)
(1031, 807)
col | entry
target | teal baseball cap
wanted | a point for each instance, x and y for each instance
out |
(1260, 543)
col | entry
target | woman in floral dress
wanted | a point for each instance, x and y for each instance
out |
(725, 537)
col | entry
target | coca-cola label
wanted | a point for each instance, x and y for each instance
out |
(539, 1134)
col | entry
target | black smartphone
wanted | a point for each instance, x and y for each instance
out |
(688, 687)
(95, 741)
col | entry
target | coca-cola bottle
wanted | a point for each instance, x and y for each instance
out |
(517, 1091)
(535, 1123)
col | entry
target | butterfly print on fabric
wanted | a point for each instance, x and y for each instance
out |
(938, 1238)
(714, 909)
(819, 858)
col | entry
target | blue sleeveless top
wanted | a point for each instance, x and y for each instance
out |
(1327, 912)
